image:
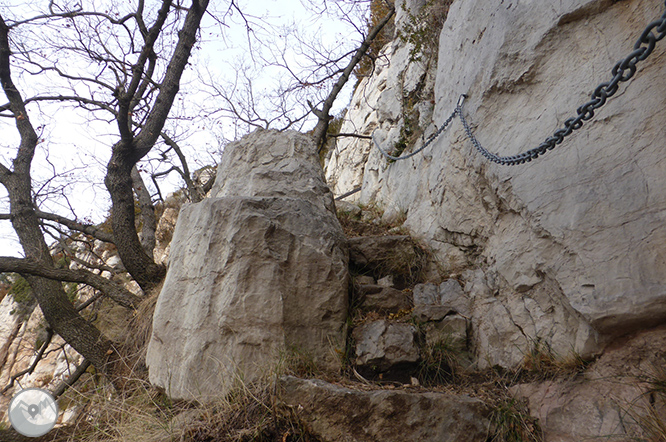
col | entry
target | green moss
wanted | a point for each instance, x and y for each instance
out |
(21, 290)
(422, 30)
(72, 291)
(63, 261)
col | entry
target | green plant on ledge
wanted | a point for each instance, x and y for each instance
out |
(511, 422)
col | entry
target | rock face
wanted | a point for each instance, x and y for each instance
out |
(384, 346)
(338, 414)
(619, 398)
(256, 269)
(565, 250)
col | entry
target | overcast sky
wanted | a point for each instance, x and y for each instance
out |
(79, 152)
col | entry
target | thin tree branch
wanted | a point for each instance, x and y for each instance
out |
(88, 229)
(195, 196)
(28, 266)
(64, 385)
(171, 83)
(321, 128)
(351, 135)
(32, 367)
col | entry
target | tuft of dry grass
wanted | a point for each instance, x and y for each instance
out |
(542, 363)
(511, 422)
(647, 414)
(369, 223)
(145, 414)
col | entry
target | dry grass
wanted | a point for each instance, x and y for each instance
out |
(144, 414)
(541, 363)
(647, 414)
(369, 223)
(511, 422)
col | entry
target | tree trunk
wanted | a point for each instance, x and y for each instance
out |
(60, 313)
(131, 148)
(148, 220)
(134, 257)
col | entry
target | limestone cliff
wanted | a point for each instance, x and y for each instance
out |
(557, 260)
(565, 253)
(567, 249)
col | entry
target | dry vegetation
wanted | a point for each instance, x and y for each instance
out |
(143, 413)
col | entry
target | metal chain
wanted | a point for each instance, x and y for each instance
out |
(441, 129)
(622, 71)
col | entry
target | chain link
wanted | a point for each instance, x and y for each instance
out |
(622, 71)
(432, 138)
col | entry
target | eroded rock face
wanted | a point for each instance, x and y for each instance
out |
(338, 414)
(619, 397)
(567, 249)
(257, 269)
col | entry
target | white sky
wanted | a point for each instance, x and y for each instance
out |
(81, 151)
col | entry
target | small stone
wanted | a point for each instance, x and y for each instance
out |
(451, 331)
(425, 313)
(364, 280)
(386, 281)
(384, 299)
(426, 294)
(347, 207)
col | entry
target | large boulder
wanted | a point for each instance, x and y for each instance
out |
(567, 249)
(256, 269)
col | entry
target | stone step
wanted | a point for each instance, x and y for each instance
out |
(333, 413)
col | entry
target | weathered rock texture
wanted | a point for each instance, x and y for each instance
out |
(619, 398)
(568, 249)
(339, 414)
(256, 269)
(383, 346)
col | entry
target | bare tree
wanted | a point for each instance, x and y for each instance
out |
(125, 68)
(305, 88)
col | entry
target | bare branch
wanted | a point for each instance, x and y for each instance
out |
(363, 137)
(319, 133)
(72, 379)
(171, 84)
(88, 229)
(28, 266)
(38, 357)
(195, 196)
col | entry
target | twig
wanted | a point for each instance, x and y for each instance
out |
(32, 367)
(64, 385)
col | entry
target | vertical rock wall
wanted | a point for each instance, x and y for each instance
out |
(566, 251)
